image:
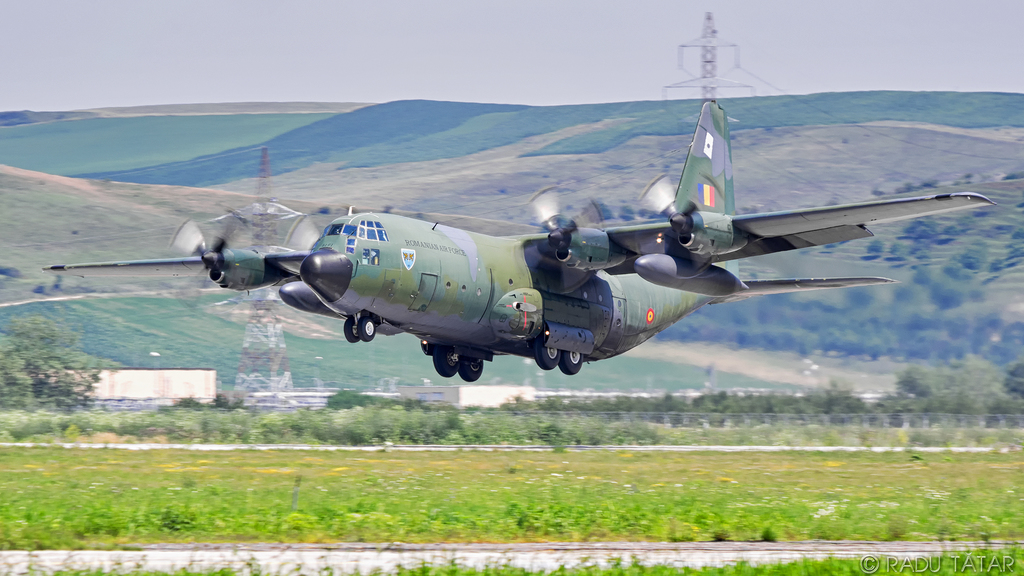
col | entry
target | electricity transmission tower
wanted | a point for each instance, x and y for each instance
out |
(709, 81)
(264, 362)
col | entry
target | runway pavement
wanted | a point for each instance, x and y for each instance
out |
(346, 558)
(494, 448)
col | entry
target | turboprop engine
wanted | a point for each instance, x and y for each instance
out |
(577, 245)
(673, 272)
(240, 269)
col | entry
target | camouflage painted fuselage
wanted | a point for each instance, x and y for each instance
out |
(455, 287)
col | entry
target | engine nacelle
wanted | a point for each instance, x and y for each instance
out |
(672, 272)
(713, 234)
(590, 249)
(518, 315)
(244, 270)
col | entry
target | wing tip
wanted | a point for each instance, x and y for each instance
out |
(55, 268)
(972, 196)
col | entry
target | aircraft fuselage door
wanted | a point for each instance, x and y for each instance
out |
(618, 324)
(424, 292)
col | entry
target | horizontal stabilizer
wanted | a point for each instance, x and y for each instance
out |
(763, 287)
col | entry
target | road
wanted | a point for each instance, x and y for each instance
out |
(366, 558)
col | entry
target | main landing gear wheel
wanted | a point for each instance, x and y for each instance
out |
(547, 358)
(367, 329)
(446, 361)
(470, 369)
(570, 363)
(350, 330)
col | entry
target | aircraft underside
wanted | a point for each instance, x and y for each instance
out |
(461, 343)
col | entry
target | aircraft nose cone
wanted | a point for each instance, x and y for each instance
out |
(328, 273)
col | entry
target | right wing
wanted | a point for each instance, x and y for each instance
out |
(287, 263)
(163, 267)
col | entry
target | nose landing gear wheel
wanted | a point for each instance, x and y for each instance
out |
(446, 361)
(367, 329)
(570, 363)
(470, 369)
(350, 330)
(547, 358)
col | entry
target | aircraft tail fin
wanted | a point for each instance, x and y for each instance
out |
(707, 174)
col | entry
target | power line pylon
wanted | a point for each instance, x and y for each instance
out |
(709, 80)
(263, 365)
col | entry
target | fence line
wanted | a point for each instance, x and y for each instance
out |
(717, 420)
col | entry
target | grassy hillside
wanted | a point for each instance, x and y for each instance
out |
(127, 144)
(211, 149)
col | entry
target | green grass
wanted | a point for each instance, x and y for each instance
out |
(118, 144)
(56, 497)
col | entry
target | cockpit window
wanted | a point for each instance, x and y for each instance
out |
(340, 229)
(372, 230)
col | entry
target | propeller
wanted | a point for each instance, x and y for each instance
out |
(302, 235)
(188, 240)
(559, 228)
(660, 195)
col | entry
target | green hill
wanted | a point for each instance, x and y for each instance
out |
(416, 131)
(214, 149)
(130, 144)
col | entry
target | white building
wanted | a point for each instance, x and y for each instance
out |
(144, 383)
(466, 396)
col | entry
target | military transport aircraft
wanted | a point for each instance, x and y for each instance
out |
(571, 295)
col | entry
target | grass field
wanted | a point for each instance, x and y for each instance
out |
(55, 497)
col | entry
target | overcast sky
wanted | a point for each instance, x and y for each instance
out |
(70, 55)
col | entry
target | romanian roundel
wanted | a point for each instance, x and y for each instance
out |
(650, 315)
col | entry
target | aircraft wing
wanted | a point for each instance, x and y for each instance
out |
(792, 229)
(878, 212)
(763, 287)
(286, 262)
(163, 267)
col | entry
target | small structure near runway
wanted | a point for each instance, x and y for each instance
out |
(141, 388)
(468, 396)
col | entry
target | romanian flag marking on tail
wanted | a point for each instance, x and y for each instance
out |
(707, 194)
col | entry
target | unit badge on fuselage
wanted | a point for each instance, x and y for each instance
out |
(408, 258)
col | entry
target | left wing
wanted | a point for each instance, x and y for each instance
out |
(762, 287)
(789, 230)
